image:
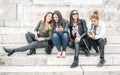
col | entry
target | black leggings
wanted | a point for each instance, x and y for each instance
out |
(100, 43)
(32, 43)
(81, 46)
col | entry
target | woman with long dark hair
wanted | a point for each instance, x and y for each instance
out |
(78, 32)
(60, 33)
(42, 34)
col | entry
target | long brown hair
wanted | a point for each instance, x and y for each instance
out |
(46, 16)
(71, 18)
(61, 20)
(50, 23)
(95, 15)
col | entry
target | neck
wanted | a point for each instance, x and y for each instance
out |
(46, 22)
(75, 21)
(97, 23)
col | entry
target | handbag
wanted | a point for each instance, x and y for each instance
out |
(70, 39)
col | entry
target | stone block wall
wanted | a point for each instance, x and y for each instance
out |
(20, 16)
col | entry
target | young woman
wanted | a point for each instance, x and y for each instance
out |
(97, 35)
(78, 32)
(43, 33)
(60, 35)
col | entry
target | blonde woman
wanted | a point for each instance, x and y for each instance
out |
(42, 33)
(96, 35)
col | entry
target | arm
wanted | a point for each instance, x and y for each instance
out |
(37, 27)
(101, 32)
(36, 30)
(85, 28)
(66, 25)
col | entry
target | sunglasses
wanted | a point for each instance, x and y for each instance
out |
(74, 13)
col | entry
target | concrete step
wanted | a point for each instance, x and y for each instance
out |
(109, 48)
(39, 70)
(33, 23)
(23, 30)
(59, 70)
(20, 39)
(51, 60)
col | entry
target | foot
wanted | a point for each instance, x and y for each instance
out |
(29, 53)
(96, 54)
(97, 51)
(101, 63)
(87, 53)
(74, 64)
(63, 54)
(32, 51)
(59, 54)
(9, 51)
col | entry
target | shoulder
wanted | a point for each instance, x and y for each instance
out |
(40, 22)
(83, 20)
(65, 20)
(101, 23)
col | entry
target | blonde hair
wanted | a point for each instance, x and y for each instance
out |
(50, 25)
(95, 15)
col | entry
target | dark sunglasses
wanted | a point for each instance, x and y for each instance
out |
(74, 13)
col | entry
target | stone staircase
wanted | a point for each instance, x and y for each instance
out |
(23, 15)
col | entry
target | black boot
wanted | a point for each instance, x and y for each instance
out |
(97, 51)
(32, 51)
(101, 63)
(87, 53)
(75, 62)
(9, 51)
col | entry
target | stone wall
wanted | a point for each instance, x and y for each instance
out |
(21, 11)
(20, 16)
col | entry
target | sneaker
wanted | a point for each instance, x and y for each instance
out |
(63, 54)
(59, 55)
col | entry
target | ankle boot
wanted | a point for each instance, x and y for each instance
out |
(75, 62)
(101, 62)
(32, 51)
(9, 51)
(97, 51)
(87, 53)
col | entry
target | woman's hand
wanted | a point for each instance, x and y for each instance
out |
(91, 35)
(36, 37)
(73, 32)
(77, 39)
(57, 29)
(61, 29)
(40, 39)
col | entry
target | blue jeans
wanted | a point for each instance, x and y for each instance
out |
(60, 39)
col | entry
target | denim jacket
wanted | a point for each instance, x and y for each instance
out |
(65, 26)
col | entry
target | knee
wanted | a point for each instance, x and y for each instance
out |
(101, 41)
(28, 33)
(55, 35)
(65, 35)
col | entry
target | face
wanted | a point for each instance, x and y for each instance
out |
(49, 17)
(55, 17)
(75, 15)
(94, 22)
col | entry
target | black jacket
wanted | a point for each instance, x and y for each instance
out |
(82, 29)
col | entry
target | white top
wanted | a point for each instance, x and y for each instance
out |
(100, 30)
(76, 28)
